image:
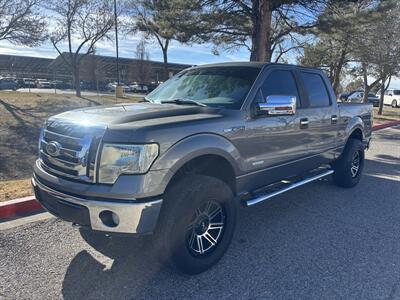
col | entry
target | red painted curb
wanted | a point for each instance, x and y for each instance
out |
(385, 125)
(16, 207)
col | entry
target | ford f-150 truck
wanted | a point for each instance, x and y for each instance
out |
(177, 164)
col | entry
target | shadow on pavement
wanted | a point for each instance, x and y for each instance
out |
(315, 241)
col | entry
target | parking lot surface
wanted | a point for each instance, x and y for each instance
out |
(317, 242)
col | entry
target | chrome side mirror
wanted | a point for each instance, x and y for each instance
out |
(279, 105)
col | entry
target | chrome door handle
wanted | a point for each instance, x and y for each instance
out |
(334, 119)
(303, 123)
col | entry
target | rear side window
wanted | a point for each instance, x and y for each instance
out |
(396, 92)
(316, 89)
(280, 82)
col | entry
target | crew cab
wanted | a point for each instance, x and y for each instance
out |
(177, 164)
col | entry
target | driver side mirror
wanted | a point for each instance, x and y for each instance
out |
(279, 105)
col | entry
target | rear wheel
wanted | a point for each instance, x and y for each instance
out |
(197, 223)
(349, 166)
(394, 103)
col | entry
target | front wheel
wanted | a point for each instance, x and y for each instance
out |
(349, 166)
(394, 103)
(197, 223)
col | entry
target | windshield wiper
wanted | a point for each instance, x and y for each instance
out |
(184, 101)
(146, 100)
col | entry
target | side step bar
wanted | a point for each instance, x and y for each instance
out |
(288, 187)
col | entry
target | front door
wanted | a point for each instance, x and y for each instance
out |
(271, 144)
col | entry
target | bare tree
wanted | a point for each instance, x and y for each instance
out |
(164, 21)
(81, 24)
(377, 48)
(147, 17)
(143, 65)
(21, 23)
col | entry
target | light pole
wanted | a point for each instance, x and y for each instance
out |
(116, 38)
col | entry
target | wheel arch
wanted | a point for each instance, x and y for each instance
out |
(206, 154)
(355, 129)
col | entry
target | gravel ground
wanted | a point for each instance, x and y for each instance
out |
(316, 242)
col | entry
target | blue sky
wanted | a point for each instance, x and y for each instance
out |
(178, 53)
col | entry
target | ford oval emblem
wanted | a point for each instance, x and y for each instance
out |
(53, 148)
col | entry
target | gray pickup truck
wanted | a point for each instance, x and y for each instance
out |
(177, 164)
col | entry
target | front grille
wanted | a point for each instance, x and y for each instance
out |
(76, 150)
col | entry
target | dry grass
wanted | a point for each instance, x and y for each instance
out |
(11, 189)
(389, 114)
(21, 115)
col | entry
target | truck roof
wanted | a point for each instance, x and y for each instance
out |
(253, 64)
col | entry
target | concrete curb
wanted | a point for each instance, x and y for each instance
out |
(385, 125)
(26, 205)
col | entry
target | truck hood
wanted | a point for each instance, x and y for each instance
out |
(130, 112)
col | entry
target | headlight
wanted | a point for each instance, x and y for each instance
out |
(117, 159)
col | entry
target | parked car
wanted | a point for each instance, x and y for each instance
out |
(7, 83)
(206, 140)
(136, 87)
(112, 86)
(60, 84)
(357, 97)
(26, 83)
(151, 87)
(392, 97)
(43, 84)
(343, 96)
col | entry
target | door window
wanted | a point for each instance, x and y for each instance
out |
(279, 82)
(316, 89)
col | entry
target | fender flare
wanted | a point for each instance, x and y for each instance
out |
(354, 124)
(195, 146)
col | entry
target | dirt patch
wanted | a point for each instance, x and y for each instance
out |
(21, 116)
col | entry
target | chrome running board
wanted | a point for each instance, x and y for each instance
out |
(285, 188)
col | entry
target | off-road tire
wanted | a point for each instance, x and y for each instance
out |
(180, 205)
(344, 175)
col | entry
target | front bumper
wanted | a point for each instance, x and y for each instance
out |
(132, 217)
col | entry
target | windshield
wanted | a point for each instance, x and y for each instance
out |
(212, 86)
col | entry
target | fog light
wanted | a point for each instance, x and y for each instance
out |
(109, 218)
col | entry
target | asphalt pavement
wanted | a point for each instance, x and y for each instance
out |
(317, 242)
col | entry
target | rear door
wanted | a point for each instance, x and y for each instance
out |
(322, 116)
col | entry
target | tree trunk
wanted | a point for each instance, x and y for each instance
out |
(380, 111)
(261, 44)
(166, 71)
(165, 58)
(77, 80)
(338, 70)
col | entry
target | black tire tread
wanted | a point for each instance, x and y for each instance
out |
(177, 201)
(342, 175)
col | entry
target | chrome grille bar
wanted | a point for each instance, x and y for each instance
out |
(75, 156)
